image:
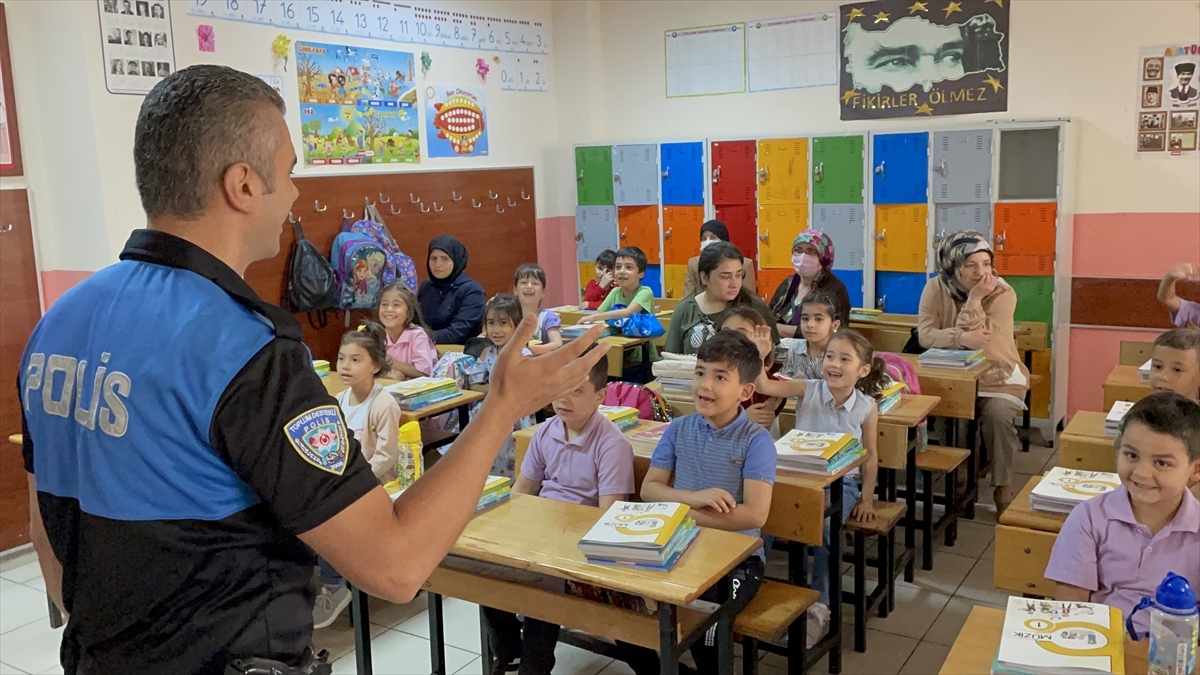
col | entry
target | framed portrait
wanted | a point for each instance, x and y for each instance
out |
(1151, 142)
(1152, 68)
(1182, 142)
(1153, 121)
(1183, 120)
(1152, 96)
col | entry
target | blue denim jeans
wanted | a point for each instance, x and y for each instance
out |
(820, 571)
(329, 576)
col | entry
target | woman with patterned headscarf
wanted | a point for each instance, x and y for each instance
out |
(968, 306)
(812, 260)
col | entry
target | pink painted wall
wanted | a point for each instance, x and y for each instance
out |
(57, 282)
(1094, 352)
(1133, 245)
(556, 254)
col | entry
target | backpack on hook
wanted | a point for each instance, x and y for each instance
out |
(311, 283)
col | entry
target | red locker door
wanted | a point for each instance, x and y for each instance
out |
(734, 172)
(742, 221)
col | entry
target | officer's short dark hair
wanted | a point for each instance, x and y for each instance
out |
(1170, 414)
(193, 126)
(734, 350)
(633, 253)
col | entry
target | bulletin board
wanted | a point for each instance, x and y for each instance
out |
(1168, 102)
(706, 60)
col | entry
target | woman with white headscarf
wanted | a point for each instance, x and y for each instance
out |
(968, 306)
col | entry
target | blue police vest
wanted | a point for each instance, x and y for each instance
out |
(119, 383)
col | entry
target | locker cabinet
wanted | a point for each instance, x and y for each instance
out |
(638, 226)
(1024, 236)
(593, 175)
(682, 171)
(741, 219)
(635, 174)
(681, 233)
(900, 171)
(777, 229)
(900, 236)
(595, 230)
(653, 279)
(844, 225)
(899, 292)
(769, 280)
(854, 284)
(1029, 163)
(674, 279)
(950, 218)
(1035, 298)
(734, 174)
(837, 166)
(587, 272)
(783, 171)
(962, 166)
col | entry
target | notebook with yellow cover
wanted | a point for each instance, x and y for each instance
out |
(421, 385)
(1047, 636)
(813, 443)
(637, 524)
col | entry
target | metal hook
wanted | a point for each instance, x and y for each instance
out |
(510, 201)
(498, 209)
(424, 209)
(318, 208)
(492, 195)
(438, 208)
(348, 215)
(382, 200)
(412, 199)
(475, 204)
(455, 196)
(291, 219)
(525, 196)
(395, 211)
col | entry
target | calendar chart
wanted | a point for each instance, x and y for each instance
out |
(792, 52)
(706, 61)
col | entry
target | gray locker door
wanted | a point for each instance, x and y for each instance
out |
(635, 174)
(595, 230)
(962, 166)
(844, 225)
(955, 217)
(1029, 164)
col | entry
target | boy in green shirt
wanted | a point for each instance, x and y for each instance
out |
(629, 291)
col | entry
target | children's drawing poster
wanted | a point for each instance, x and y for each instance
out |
(455, 121)
(137, 44)
(901, 58)
(357, 105)
(1167, 101)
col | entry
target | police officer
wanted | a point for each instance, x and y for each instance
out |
(184, 459)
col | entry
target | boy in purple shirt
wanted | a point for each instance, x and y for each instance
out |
(1184, 313)
(579, 457)
(1175, 363)
(1116, 548)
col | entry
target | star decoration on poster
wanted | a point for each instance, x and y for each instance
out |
(854, 14)
(924, 109)
(993, 83)
(846, 97)
(999, 3)
(881, 17)
(952, 8)
(918, 7)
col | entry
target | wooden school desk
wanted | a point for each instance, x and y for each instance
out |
(975, 648)
(461, 403)
(1124, 384)
(1024, 539)
(1084, 445)
(541, 535)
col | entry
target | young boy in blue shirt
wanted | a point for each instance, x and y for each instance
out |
(723, 463)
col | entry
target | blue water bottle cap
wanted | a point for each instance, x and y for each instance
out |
(1175, 593)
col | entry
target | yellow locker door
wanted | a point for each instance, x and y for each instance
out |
(587, 272)
(783, 171)
(674, 279)
(777, 229)
(900, 236)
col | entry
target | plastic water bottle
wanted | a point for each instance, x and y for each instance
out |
(1174, 626)
(408, 463)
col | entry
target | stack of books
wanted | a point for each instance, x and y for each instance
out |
(653, 434)
(495, 490)
(1112, 423)
(572, 332)
(421, 392)
(652, 535)
(890, 396)
(1061, 490)
(321, 366)
(1047, 637)
(1144, 370)
(960, 359)
(784, 346)
(820, 453)
(863, 314)
(621, 415)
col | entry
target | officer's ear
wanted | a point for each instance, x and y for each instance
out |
(240, 185)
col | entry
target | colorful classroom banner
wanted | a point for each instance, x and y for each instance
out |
(901, 58)
(357, 105)
(456, 121)
(1167, 101)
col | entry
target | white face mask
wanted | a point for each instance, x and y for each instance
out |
(704, 244)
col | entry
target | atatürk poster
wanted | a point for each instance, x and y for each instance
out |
(902, 58)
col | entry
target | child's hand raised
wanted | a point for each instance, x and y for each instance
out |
(713, 498)
(762, 339)
(521, 385)
(1184, 271)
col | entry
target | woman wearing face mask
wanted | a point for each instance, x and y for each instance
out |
(968, 306)
(720, 269)
(714, 230)
(451, 302)
(812, 260)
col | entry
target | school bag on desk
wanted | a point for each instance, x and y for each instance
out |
(397, 266)
(311, 282)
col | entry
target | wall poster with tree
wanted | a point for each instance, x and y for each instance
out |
(357, 105)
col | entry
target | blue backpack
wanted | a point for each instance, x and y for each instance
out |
(358, 263)
(397, 265)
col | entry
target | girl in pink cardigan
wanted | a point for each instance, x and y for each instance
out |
(408, 342)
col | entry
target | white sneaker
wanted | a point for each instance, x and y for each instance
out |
(818, 622)
(329, 606)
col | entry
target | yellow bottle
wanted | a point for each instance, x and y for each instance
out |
(408, 463)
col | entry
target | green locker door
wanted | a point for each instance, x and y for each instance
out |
(1035, 298)
(837, 165)
(594, 175)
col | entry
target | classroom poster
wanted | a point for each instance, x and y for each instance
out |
(136, 44)
(902, 58)
(358, 105)
(456, 121)
(1167, 101)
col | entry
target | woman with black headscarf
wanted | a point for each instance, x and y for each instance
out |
(451, 302)
(714, 230)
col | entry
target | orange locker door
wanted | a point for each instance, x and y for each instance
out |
(674, 279)
(1025, 238)
(681, 233)
(769, 280)
(900, 236)
(777, 229)
(783, 171)
(638, 226)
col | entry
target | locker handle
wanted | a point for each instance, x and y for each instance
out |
(939, 236)
(879, 169)
(763, 176)
(765, 235)
(883, 303)
(578, 236)
(941, 168)
(667, 234)
(882, 236)
(624, 233)
(819, 172)
(1001, 239)
(617, 177)
(716, 175)
(666, 173)
(580, 176)
(670, 292)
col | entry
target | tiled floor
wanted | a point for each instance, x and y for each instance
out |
(912, 640)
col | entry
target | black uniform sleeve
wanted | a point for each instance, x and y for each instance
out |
(26, 443)
(249, 426)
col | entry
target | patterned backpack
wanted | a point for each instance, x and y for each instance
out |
(459, 367)
(650, 404)
(358, 263)
(397, 265)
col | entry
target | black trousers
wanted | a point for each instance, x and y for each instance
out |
(534, 645)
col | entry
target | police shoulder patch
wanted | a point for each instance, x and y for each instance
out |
(319, 436)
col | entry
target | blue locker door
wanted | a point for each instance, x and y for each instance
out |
(901, 171)
(854, 284)
(595, 230)
(899, 292)
(653, 279)
(682, 168)
(844, 225)
(635, 174)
